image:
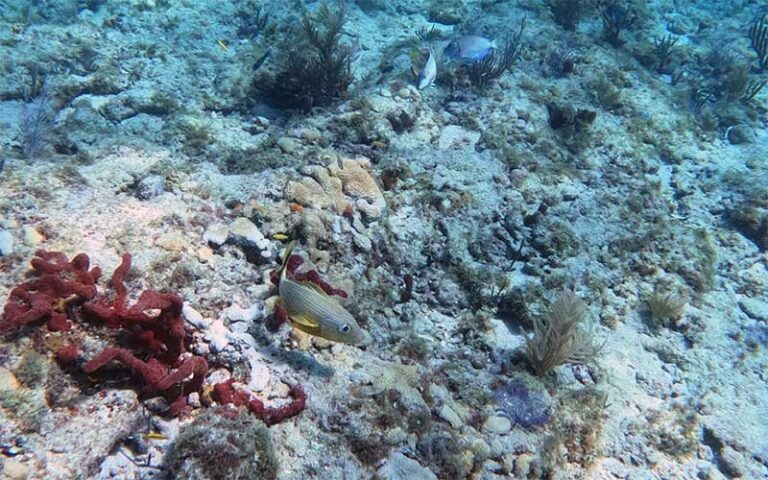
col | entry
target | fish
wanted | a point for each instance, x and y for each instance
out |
(280, 236)
(223, 45)
(469, 49)
(313, 311)
(263, 58)
(429, 72)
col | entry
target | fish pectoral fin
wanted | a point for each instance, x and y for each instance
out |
(305, 321)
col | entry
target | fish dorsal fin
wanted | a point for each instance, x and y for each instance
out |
(315, 287)
(305, 321)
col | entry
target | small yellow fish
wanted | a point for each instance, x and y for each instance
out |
(313, 311)
(223, 45)
(280, 236)
(155, 436)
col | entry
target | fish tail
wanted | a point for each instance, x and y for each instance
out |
(286, 257)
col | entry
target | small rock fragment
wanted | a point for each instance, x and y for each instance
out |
(150, 187)
(447, 414)
(400, 467)
(6, 243)
(13, 469)
(216, 234)
(243, 233)
(287, 144)
(497, 424)
(204, 254)
(31, 237)
(194, 317)
(8, 380)
(172, 242)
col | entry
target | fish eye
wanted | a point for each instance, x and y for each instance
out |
(453, 44)
(345, 328)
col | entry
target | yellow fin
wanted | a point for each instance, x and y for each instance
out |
(288, 252)
(304, 321)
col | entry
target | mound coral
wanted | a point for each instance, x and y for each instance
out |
(343, 184)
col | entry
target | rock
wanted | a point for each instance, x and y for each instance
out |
(525, 400)
(217, 335)
(236, 313)
(454, 136)
(172, 242)
(13, 469)
(260, 374)
(193, 400)
(522, 466)
(754, 309)
(204, 254)
(497, 424)
(6, 243)
(150, 187)
(450, 416)
(243, 233)
(7, 380)
(31, 237)
(400, 467)
(194, 317)
(287, 144)
(216, 234)
(740, 134)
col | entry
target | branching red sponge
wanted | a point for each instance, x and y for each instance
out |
(161, 334)
(226, 393)
(154, 323)
(60, 283)
(155, 376)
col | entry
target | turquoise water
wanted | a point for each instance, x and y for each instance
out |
(528, 239)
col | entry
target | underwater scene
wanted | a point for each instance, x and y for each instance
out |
(383, 239)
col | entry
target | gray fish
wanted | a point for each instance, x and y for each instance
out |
(469, 49)
(429, 72)
(313, 311)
